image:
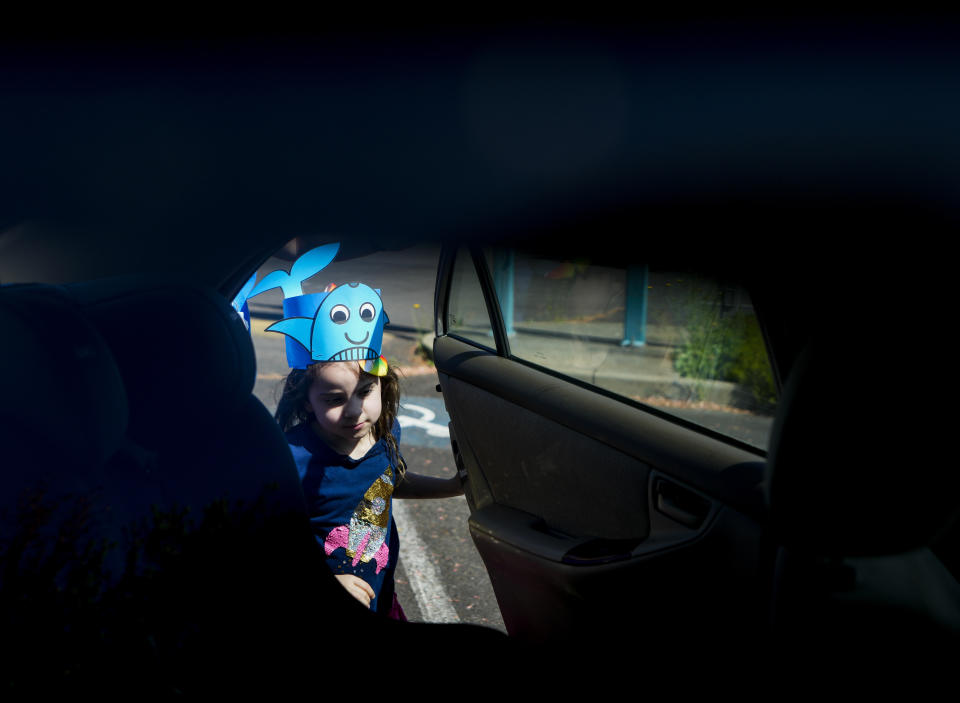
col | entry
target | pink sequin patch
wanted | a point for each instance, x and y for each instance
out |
(382, 556)
(337, 537)
(396, 612)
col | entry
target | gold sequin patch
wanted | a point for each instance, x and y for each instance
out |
(374, 508)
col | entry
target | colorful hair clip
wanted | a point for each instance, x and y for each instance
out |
(375, 367)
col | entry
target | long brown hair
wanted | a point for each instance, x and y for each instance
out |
(292, 409)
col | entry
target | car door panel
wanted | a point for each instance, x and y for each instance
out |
(678, 588)
(711, 465)
(533, 476)
(581, 503)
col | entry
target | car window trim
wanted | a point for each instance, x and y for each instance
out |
(441, 303)
(441, 292)
(494, 312)
(472, 342)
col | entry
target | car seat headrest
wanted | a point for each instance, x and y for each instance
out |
(62, 402)
(853, 469)
(183, 352)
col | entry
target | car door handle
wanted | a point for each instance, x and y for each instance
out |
(681, 504)
(601, 551)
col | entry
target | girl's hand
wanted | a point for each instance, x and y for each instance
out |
(357, 587)
(419, 486)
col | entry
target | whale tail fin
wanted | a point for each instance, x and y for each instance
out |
(307, 265)
(313, 261)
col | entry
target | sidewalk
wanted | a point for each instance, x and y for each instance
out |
(597, 357)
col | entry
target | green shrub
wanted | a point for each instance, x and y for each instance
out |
(727, 348)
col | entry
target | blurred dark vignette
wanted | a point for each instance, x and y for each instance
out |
(399, 132)
(813, 155)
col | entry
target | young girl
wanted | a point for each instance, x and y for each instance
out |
(341, 423)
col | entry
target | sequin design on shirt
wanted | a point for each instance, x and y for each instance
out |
(365, 537)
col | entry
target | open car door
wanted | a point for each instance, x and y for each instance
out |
(609, 419)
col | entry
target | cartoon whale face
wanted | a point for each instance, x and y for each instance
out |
(347, 326)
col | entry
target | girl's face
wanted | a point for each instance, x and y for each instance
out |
(345, 403)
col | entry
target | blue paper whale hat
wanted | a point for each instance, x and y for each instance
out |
(343, 323)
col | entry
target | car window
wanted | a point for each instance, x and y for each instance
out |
(686, 343)
(467, 315)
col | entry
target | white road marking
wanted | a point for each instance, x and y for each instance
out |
(425, 582)
(425, 421)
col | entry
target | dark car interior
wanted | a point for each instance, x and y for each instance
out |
(153, 532)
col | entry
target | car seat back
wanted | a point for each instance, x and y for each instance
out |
(188, 364)
(223, 533)
(857, 498)
(63, 418)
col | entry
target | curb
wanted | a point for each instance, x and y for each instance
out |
(426, 341)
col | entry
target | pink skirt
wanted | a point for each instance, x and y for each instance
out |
(396, 612)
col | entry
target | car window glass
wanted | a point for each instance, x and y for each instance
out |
(679, 341)
(466, 309)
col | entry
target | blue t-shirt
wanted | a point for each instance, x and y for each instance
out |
(349, 502)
